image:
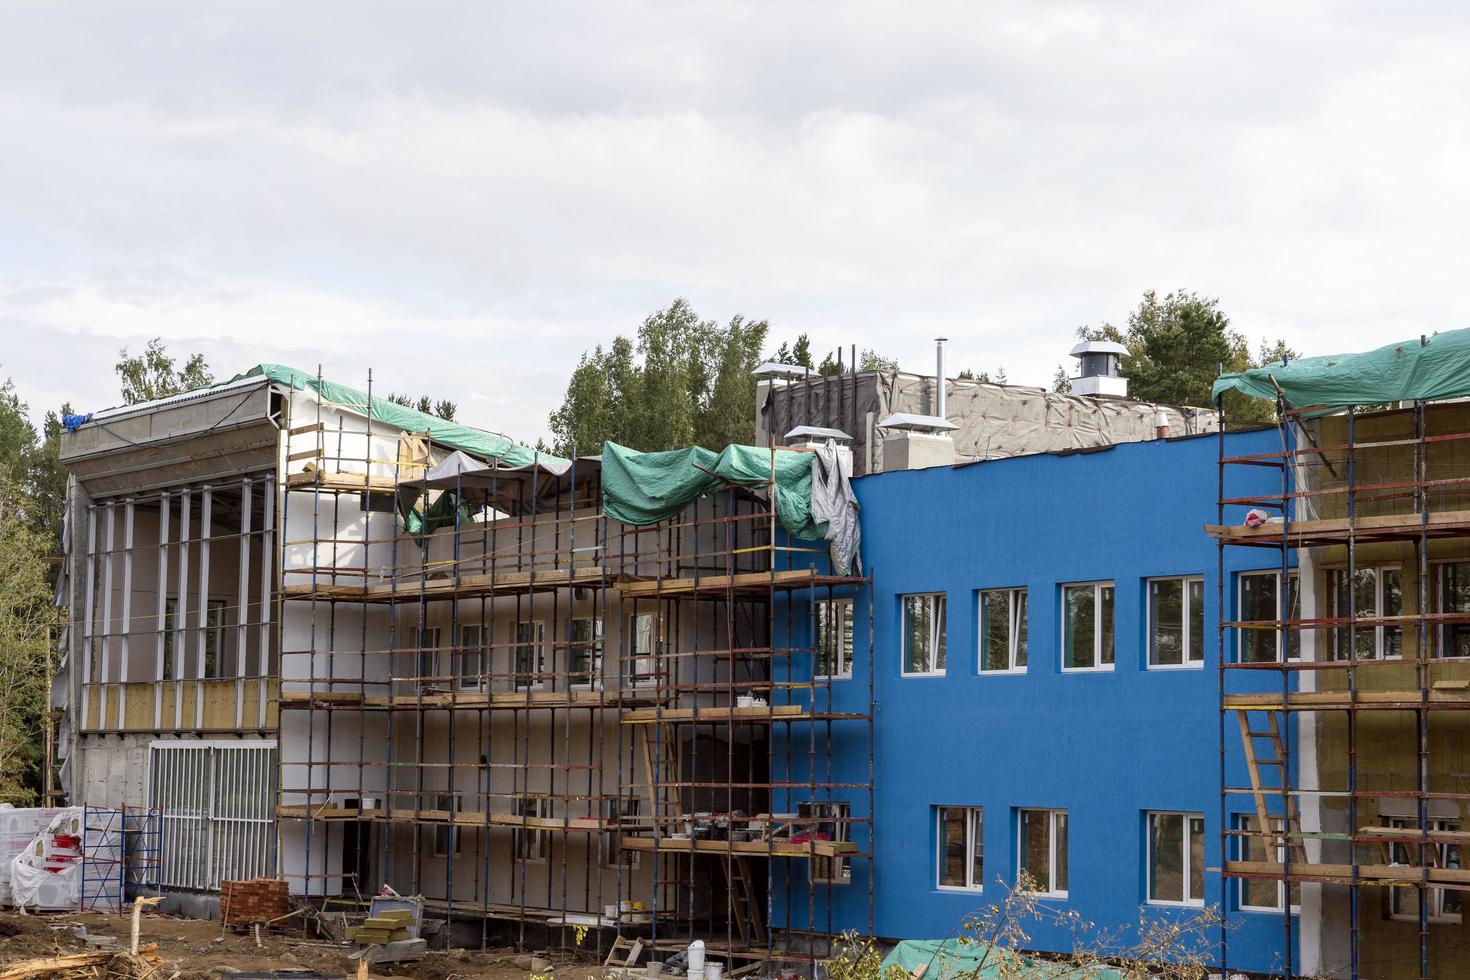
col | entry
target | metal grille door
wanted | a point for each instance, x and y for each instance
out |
(214, 799)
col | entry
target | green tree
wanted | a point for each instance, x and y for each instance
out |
(151, 374)
(441, 409)
(871, 360)
(687, 381)
(1177, 344)
(25, 645)
(798, 354)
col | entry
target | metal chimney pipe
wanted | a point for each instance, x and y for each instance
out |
(939, 376)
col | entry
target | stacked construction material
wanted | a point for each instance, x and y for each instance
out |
(257, 900)
(18, 828)
(384, 926)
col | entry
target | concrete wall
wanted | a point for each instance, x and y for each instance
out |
(1107, 746)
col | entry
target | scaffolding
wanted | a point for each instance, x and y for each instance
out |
(1344, 681)
(550, 723)
(121, 856)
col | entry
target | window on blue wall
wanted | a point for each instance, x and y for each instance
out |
(1262, 894)
(961, 847)
(1176, 622)
(1003, 630)
(923, 633)
(1087, 626)
(1042, 846)
(833, 633)
(1371, 592)
(828, 821)
(1176, 858)
(1262, 601)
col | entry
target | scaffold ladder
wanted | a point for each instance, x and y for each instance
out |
(1289, 837)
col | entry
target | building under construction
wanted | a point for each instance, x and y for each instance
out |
(575, 702)
(1355, 749)
(337, 640)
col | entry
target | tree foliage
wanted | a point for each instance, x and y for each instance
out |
(1177, 344)
(443, 408)
(799, 354)
(32, 494)
(152, 374)
(25, 644)
(685, 381)
(996, 940)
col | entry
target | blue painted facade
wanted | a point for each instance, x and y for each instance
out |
(1106, 746)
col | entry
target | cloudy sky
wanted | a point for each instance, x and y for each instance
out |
(465, 196)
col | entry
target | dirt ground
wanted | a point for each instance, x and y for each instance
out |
(199, 949)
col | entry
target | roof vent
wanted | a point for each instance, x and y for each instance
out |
(815, 436)
(916, 442)
(1100, 370)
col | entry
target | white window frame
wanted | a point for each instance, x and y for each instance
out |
(1016, 599)
(938, 633)
(448, 832)
(592, 681)
(1051, 890)
(1097, 626)
(1444, 630)
(538, 807)
(838, 814)
(973, 814)
(844, 644)
(475, 680)
(1379, 632)
(1243, 822)
(645, 662)
(1240, 633)
(1192, 659)
(427, 655)
(538, 644)
(1186, 863)
(1435, 896)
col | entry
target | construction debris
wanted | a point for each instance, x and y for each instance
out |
(86, 966)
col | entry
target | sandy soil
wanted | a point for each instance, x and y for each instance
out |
(199, 949)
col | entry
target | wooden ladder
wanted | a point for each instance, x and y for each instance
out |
(1262, 788)
(661, 762)
(748, 918)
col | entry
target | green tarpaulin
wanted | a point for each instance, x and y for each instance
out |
(487, 445)
(1406, 371)
(645, 488)
(951, 958)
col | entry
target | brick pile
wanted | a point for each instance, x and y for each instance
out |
(259, 899)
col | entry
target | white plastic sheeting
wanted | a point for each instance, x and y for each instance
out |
(18, 827)
(52, 872)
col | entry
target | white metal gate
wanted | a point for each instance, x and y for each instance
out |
(214, 799)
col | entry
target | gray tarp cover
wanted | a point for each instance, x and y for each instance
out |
(834, 504)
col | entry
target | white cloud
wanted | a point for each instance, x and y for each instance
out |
(464, 197)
